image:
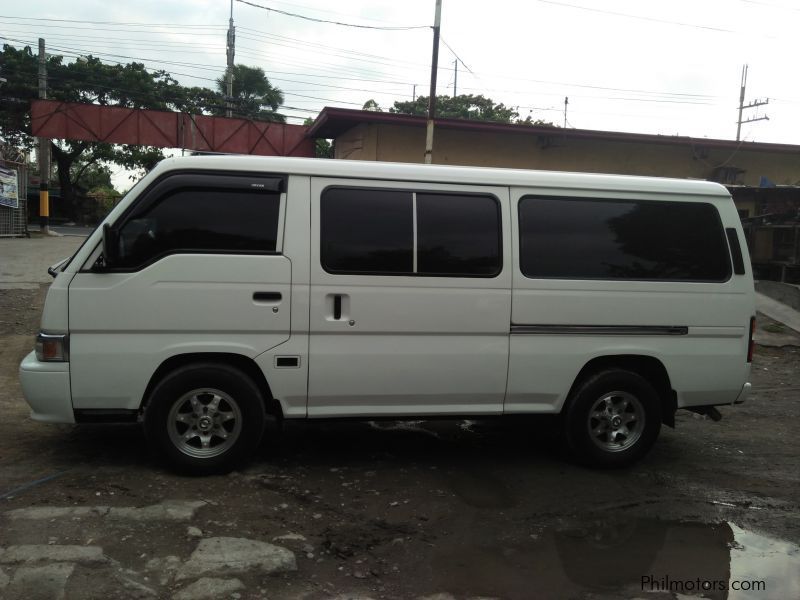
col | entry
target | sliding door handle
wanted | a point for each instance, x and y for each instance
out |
(337, 307)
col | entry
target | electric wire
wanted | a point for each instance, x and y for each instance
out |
(329, 22)
(639, 17)
(672, 97)
(110, 22)
(559, 83)
(458, 58)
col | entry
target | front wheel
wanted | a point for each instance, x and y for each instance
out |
(205, 418)
(613, 418)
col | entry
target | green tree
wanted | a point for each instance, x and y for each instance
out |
(96, 193)
(463, 106)
(322, 147)
(372, 105)
(89, 80)
(535, 122)
(20, 70)
(254, 97)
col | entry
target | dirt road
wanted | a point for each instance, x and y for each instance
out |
(388, 510)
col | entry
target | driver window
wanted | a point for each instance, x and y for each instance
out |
(201, 220)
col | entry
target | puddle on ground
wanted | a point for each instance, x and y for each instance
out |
(638, 558)
(755, 556)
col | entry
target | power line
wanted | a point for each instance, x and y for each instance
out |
(173, 98)
(333, 68)
(120, 23)
(147, 45)
(138, 43)
(331, 12)
(779, 6)
(334, 87)
(315, 20)
(339, 68)
(344, 51)
(77, 52)
(690, 99)
(83, 52)
(671, 96)
(458, 58)
(324, 99)
(193, 34)
(640, 17)
(667, 97)
(538, 81)
(629, 90)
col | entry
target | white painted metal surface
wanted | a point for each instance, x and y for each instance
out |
(124, 325)
(407, 345)
(418, 345)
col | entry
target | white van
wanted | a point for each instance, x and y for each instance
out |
(223, 289)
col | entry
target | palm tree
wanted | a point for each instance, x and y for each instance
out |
(254, 97)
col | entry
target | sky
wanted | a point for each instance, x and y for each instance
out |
(643, 66)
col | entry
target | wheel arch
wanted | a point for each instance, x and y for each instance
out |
(649, 367)
(239, 361)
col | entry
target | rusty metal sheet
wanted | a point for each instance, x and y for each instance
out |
(117, 125)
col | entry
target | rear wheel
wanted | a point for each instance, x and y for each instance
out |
(613, 418)
(205, 418)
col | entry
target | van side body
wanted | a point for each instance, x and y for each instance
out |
(364, 290)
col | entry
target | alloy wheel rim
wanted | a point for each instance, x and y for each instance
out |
(204, 423)
(616, 421)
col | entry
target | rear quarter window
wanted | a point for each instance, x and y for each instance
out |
(580, 238)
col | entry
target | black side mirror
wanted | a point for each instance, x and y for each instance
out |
(110, 245)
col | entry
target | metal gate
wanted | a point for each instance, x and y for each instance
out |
(13, 199)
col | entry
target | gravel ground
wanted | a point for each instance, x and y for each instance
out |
(399, 510)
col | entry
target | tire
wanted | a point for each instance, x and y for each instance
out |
(610, 551)
(205, 418)
(612, 419)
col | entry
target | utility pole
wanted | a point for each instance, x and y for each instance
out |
(231, 51)
(743, 106)
(414, 94)
(455, 80)
(566, 103)
(44, 150)
(432, 100)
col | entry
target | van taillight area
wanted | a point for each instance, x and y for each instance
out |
(750, 343)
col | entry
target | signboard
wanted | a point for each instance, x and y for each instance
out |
(8, 188)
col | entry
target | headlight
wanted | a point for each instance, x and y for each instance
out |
(52, 347)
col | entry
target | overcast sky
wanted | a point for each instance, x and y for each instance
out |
(648, 66)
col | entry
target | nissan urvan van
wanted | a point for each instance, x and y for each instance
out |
(226, 289)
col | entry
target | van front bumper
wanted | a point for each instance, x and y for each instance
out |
(45, 386)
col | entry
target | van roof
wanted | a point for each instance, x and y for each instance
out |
(318, 167)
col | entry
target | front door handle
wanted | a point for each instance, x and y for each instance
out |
(267, 296)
